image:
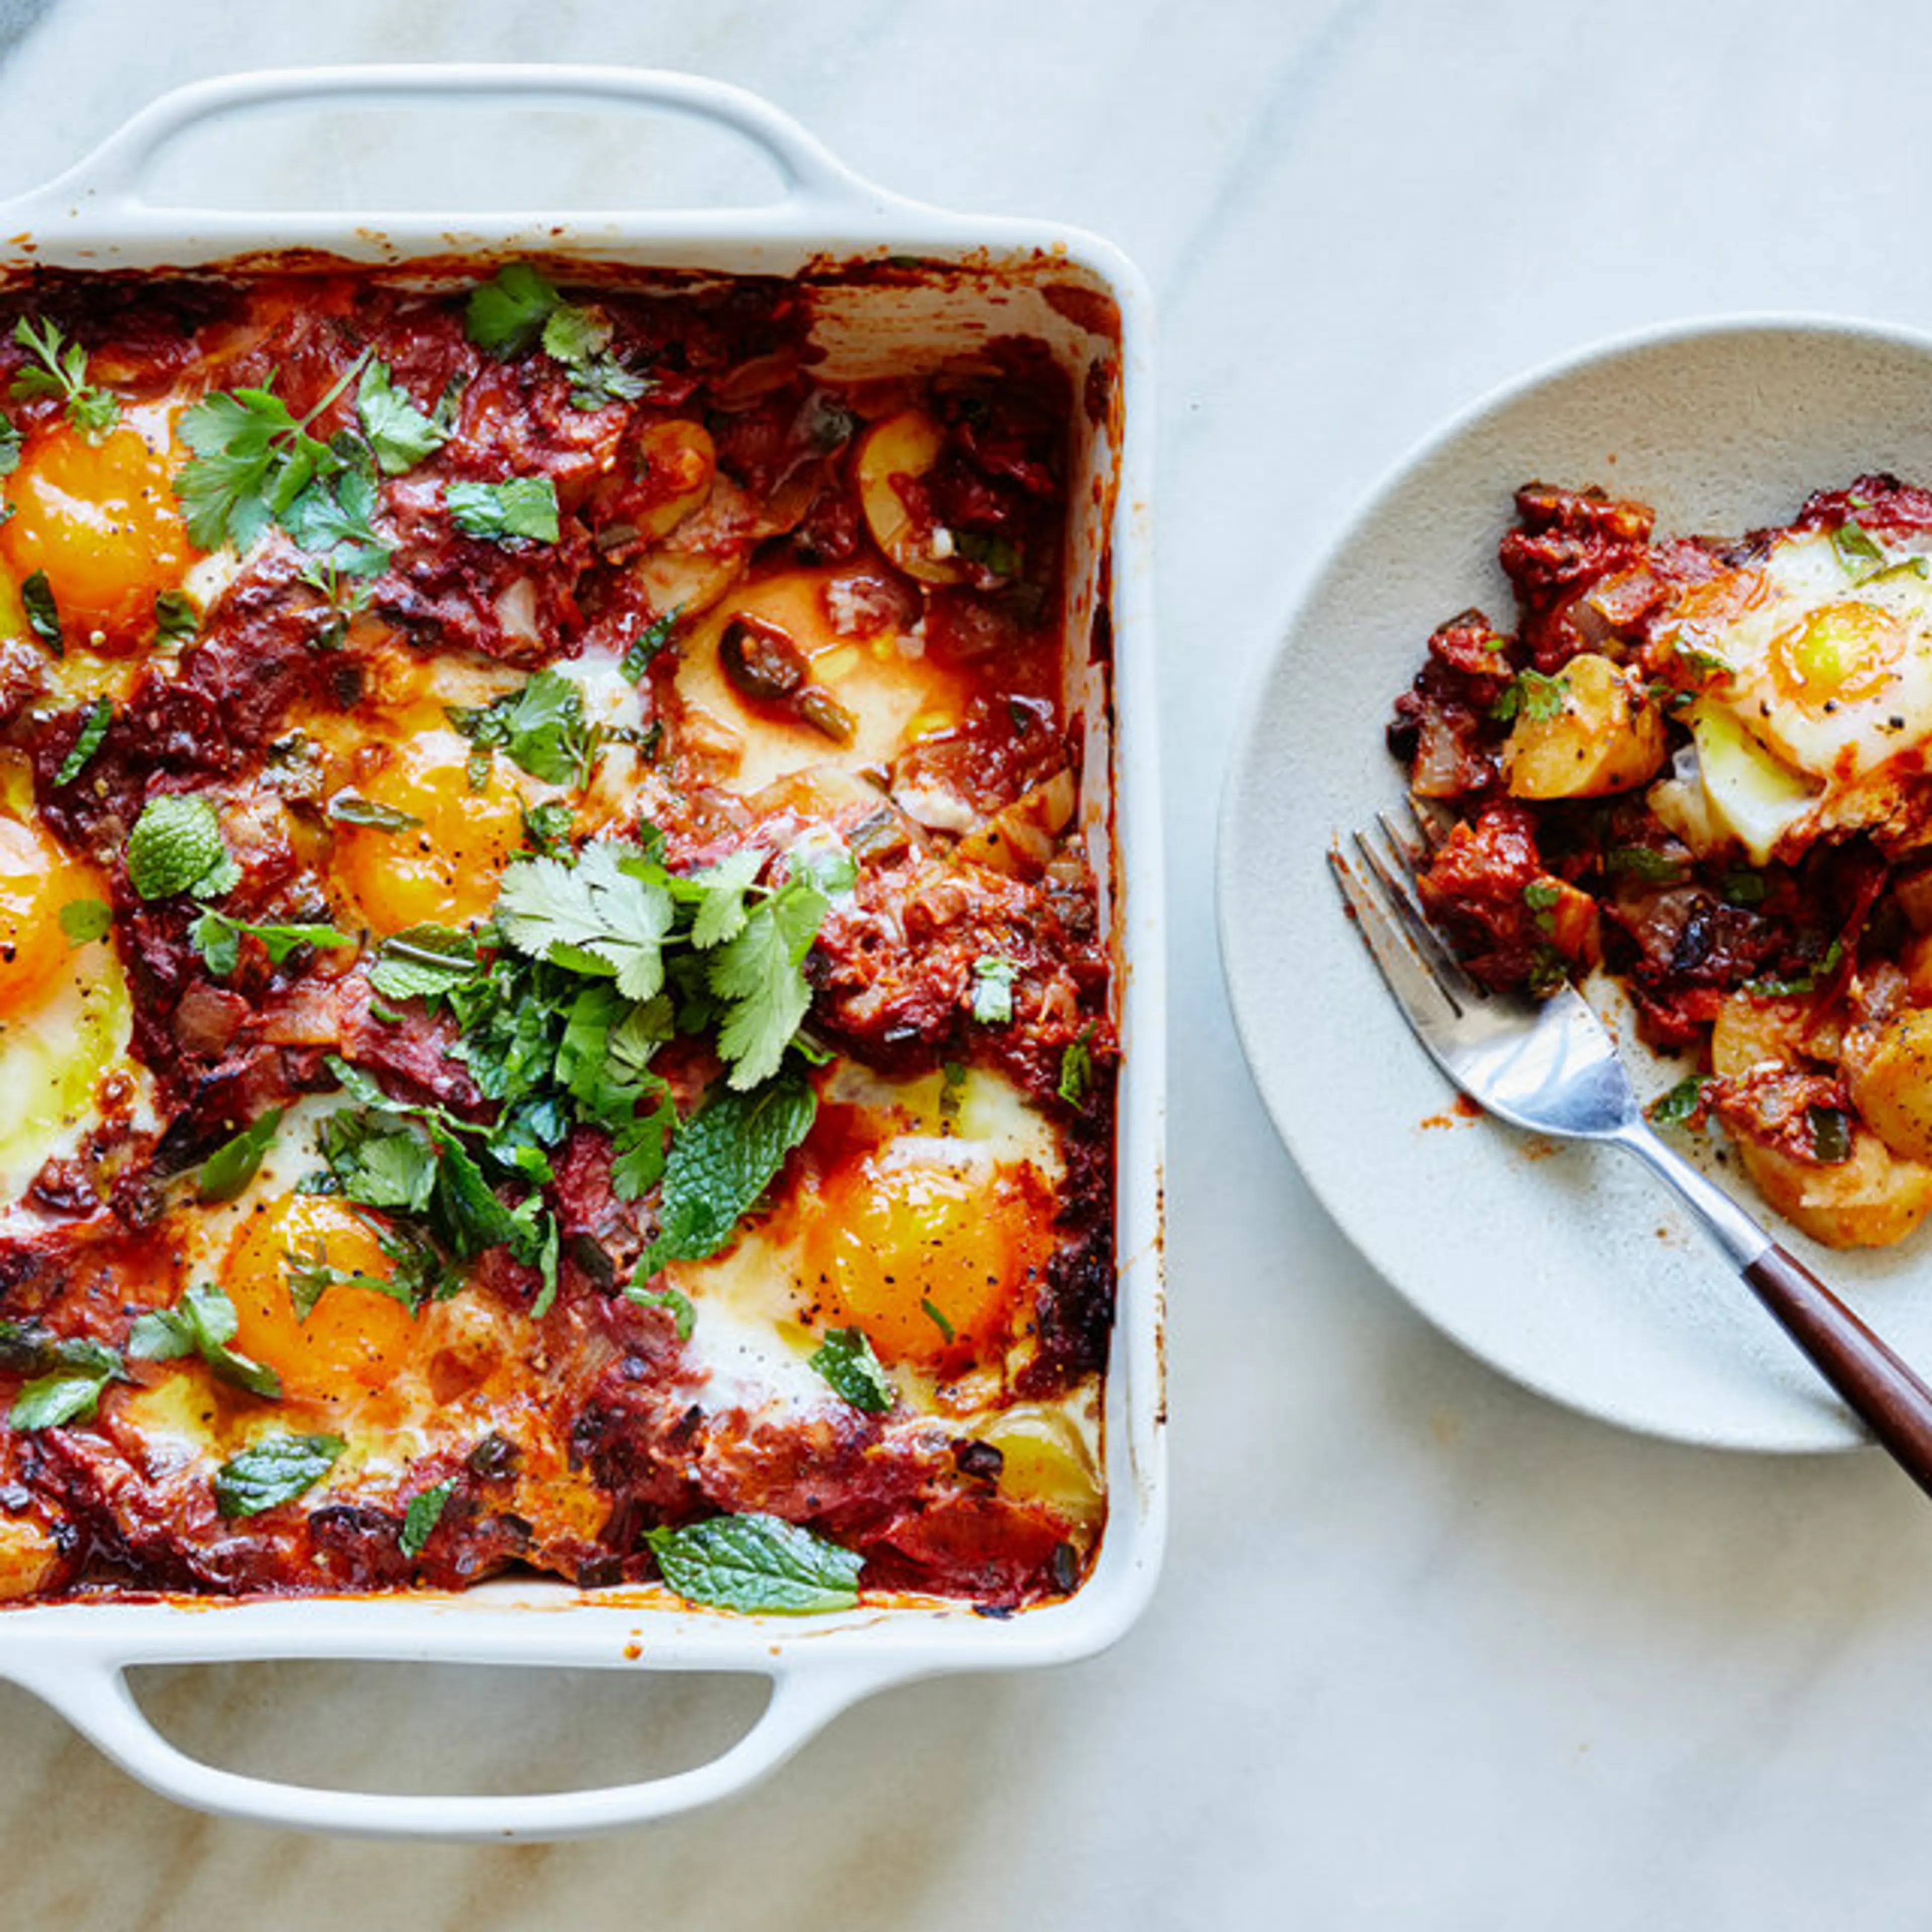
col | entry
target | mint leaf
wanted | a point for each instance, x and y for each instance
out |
(400, 434)
(505, 315)
(202, 1324)
(217, 938)
(522, 506)
(69, 1375)
(230, 1168)
(423, 962)
(757, 1563)
(94, 723)
(846, 1361)
(276, 1470)
(723, 1159)
(424, 1512)
(176, 846)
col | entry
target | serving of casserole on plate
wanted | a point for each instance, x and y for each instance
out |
(573, 1041)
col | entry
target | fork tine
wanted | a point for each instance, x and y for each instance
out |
(1404, 902)
(1424, 1000)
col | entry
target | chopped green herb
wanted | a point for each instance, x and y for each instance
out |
(642, 649)
(69, 1375)
(846, 1361)
(1856, 550)
(351, 808)
(541, 727)
(993, 980)
(1830, 1134)
(506, 315)
(1653, 868)
(1076, 1068)
(1535, 696)
(931, 1311)
(85, 920)
(422, 962)
(1806, 981)
(231, 1166)
(218, 939)
(94, 723)
(520, 507)
(37, 599)
(683, 1315)
(177, 618)
(723, 1159)
(1680, 1105)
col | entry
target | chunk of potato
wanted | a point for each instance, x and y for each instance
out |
(1605, 736)
(1871, 1201)
(28, 1555)
(905, 445)
(1889, 1071)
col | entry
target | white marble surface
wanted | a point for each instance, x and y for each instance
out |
(1428, 1651)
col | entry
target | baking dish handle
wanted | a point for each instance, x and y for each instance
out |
(93, 1695)
(108, 184)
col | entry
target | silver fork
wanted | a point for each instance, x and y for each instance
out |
(1550, 1066)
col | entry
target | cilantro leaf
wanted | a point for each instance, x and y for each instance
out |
(351, 808)
(580, 338)
(176, 846)
(520, 506)
(275, 1470)
(230, 1168)
(846, 1361)
(1076, 1068)
(252, 459)
(333, 518)
(760, 975)
(400, 434)
(203, 1323)
(506, 315)
(723, 1159)
(176, 616)
(595, 915)
(62, 371)
(756, 1562)
(94, 723)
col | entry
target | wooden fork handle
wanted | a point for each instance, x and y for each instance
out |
(1886, 1395)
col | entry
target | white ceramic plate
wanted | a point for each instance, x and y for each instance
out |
(1568, 1268)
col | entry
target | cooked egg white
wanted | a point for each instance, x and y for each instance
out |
(1813, 673)
(925, 1235)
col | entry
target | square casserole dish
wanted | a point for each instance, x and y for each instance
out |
(928, 286)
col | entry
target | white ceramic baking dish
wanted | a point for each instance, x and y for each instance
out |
(953, 280)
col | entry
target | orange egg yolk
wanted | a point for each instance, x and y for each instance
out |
(99, 520)
(354, 1339)
(1839, 652)
(444, 869)
(930, 1260)
(36, 879)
